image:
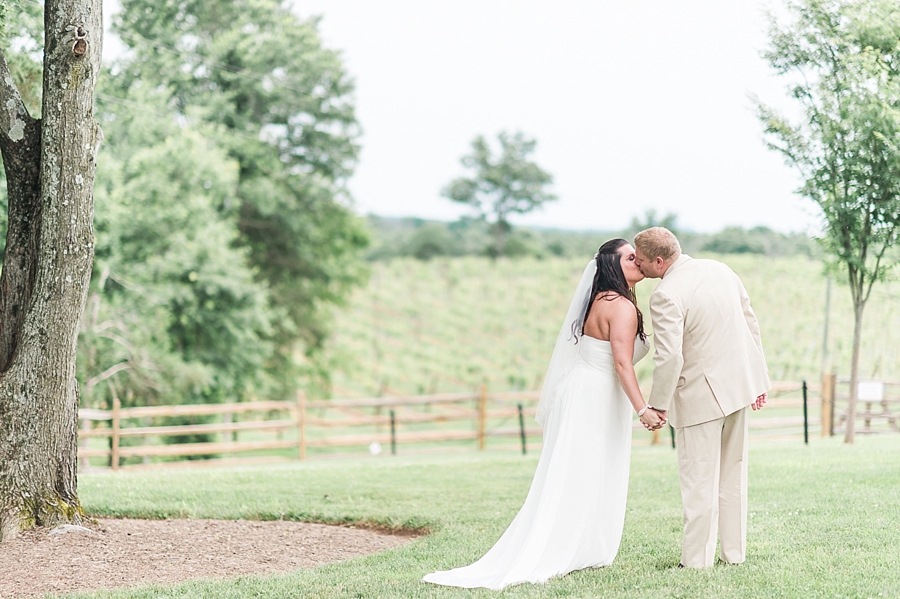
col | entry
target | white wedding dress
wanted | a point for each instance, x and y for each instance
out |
(575, 510)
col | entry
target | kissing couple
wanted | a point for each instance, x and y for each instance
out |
(709, 370)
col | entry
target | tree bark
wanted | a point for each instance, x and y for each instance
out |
(20, 143)
(850, 428)
(47, 271)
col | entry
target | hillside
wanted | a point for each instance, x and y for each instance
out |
(450, 324)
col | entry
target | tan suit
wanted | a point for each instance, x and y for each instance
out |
(709, 367)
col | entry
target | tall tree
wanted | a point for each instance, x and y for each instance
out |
(847, 146)
(652, 219)
(49, 165)
(176, 315)
(282, 106)
(501, 185)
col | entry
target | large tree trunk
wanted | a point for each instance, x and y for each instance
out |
(46, 271)
(501, 231)
(850, 428)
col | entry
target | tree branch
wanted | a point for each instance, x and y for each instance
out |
(885, 247)
(14, 117)
(118, 339)
(20, 144)
(107, 373)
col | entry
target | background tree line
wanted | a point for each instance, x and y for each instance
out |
(426, 239)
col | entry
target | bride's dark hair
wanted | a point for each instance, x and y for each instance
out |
(610, 278)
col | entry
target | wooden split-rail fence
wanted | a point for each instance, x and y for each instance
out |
(877, 408)
(158, 436)
(135, 436)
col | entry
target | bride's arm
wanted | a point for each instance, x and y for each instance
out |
(622, 330)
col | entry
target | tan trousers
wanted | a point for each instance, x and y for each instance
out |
(712, 466)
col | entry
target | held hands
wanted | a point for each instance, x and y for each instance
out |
(653, 419)
(760, 402)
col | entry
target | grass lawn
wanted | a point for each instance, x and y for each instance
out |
(824, 522)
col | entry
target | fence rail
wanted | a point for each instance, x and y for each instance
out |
(835, 406)
(142, 436)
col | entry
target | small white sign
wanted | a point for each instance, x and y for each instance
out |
(375, 448)
(870, 390)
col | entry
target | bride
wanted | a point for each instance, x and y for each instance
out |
(575, 510)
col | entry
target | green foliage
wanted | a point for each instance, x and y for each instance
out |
(167, 249)
(224, 235)
(501, 185)
(847, 147)
(652, 219)
(734, 240)
(22, 44)
(430, 240)
(423, 239)
(280, 105)
(822, 522)
(758, 240)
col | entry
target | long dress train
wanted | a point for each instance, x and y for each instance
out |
(575, 510)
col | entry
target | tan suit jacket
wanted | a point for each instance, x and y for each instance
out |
(709, 358)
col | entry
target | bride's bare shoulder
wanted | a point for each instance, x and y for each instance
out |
(608, 296)
(612, 297)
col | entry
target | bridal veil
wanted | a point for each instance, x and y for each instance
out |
(566, 350)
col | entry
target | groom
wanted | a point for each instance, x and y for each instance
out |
(709, 368)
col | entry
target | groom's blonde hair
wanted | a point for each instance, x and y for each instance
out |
(658, 242)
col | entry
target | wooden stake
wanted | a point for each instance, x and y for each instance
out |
(114, 456)
(301, 422)
(828, 383)
(482, 415)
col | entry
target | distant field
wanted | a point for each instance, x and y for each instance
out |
(453, 324)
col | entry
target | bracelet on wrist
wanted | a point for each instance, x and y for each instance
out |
(642, 410)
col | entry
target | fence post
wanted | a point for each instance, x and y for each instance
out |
(301, 423)
(482, 415)
(672, 431)
(805, 418)
(226, 436)
(393, 434)
(114, 451)
(85, 426)
(522, 429)
(828, 393)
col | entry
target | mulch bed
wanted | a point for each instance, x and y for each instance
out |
(125, 553)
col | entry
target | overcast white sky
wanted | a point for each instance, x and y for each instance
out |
(635, 104)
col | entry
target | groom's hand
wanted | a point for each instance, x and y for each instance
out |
(663, 416)
(760, 402)
(653, 419)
